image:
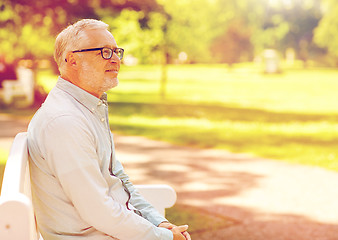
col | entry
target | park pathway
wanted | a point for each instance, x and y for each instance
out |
(262, 199)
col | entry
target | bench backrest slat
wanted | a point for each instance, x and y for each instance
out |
(16, 211)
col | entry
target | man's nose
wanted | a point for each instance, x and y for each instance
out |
(115, 58)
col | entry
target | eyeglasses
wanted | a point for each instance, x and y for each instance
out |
(106, 53)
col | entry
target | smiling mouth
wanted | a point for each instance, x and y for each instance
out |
(111, 70)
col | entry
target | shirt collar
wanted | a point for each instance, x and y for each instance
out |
(104, 98)
(86, 99)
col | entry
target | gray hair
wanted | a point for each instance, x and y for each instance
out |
(68, 39)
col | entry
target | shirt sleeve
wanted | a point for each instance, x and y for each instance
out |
(71, 155)
(147, 210)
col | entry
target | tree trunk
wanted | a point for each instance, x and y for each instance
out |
(164, 75)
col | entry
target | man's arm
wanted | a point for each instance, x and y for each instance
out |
(147, 210)
(72, 156)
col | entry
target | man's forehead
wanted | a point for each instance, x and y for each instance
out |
(98, 38)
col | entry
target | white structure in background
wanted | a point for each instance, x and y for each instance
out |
(271, 61)
(182, 57)
(290, 56)
(22, 87)
(130, 60)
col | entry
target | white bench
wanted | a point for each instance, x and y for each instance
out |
(23, 86)
(17, 221)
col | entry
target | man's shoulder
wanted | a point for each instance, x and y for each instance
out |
(59, 106)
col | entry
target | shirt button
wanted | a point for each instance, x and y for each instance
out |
(93, 109)
(102, 119)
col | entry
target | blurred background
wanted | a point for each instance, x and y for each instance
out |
(258, 77)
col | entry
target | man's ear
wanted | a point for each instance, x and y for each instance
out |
(71, 59)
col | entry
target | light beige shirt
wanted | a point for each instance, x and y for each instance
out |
(74, 195)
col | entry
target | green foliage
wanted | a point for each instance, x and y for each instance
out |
(190, 28)
(288, 25)
(156, 31)
(28, 28)
(22, 39)
(272, 36)
(327, 29)
(181, 28)
(139, 42)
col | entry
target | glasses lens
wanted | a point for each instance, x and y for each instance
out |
(119, 52)
(107, 53)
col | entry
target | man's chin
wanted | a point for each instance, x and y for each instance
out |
(111, 83)
(115, 82)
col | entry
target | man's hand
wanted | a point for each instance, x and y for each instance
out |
(171, 227)
(167, 225)
(180, 233)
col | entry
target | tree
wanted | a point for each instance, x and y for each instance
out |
(275, 24)
(28, 28)
(22, 39)
(141, 40)
(302, 18)
(326, 32)
(160, 36)
(233, 45)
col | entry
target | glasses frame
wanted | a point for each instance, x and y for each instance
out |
(113, 50)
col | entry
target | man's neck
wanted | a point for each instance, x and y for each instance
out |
(76, 81)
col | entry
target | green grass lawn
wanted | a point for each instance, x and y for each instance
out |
(295, 90)
(291, 116)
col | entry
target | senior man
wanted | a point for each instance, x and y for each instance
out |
(79, 188)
